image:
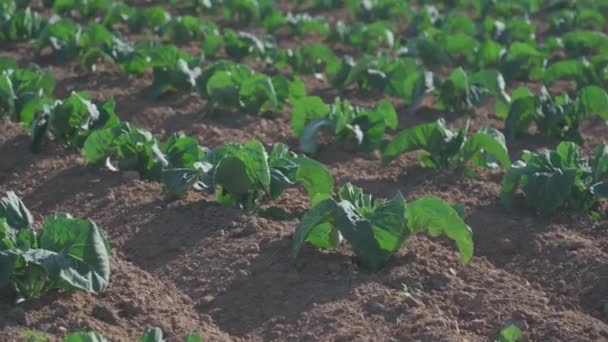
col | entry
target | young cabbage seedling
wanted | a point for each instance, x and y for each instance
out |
(445, 149)
(68, 253)
(376, 229)
(559, 178)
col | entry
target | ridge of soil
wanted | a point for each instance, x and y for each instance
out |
(192, 265)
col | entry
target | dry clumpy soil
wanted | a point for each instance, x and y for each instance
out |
(196, 266)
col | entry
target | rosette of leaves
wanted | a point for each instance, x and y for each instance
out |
(231, 86)
(303, 24)
(68, 253)
(560, 178)
(134, 18)
(442, 148)
(129, 148)
(62, 37)
(72, 120)
(67, 41)
(173, 70)
(246, 176)
(97, 43)
(23, 91)
(583, 18)
(240, 45)
(515, 30)
(376, 229)
(374, 10)
(461, 92)
(557, 116)
(402, 77)
(348, 123)
(368, 37)
(84, 8)
(442, 49)
(522, 62)
(314, 58)
(183, 29)
(585, 43)
(126, 148)
(580, 70)
(21, 25)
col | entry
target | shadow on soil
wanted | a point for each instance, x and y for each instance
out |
(65, 185)
(526, 245)
(167, 231)
(280, 290)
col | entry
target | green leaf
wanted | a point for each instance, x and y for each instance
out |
(522, 113)
(231, 174)
(257, 94)
(510, 333)
(256, 159)
(98, 145)
(15, 212)
(85, 337)
(377, 238)
(316, 178)
(82, 260)
(487, 148)
(435, 216)
(412, 139)
(8, 263)
(177, 181)
(193, 338)
(306, 109)
(152, 335)
(600, 189)
(317, 227)
(593, 100)
(600, 162)
(511, 182)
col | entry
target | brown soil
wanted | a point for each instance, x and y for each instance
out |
(196, 266)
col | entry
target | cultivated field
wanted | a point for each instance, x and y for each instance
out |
(476, 126)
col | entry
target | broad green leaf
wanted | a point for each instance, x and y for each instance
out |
(231, 174)
(521, 114)
(510, 333)
(435, 216)
(98, 145)
(593, 100)
(317, 227)
(152, 335)
(568, 69)
(82, 260)
(85, 337)
(316, 178)
(257, 95)
(600, 162)
(193, 338)
(486, 148)
(177, 181)
(360, 233)
(411, 139)
(256, 159)
(15, 212)
(306, 109)
(549, 191)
